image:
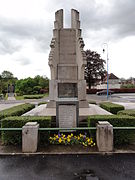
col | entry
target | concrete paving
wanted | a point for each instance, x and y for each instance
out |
(68, 167)
(11, 98)
(7, 106)
(127, 105)
(43, 111)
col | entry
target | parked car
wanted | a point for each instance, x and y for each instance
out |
(104, 92)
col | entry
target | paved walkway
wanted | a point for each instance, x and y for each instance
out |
(126, 105)
(11, 98)
(7, 106)
(68, 167)
(43, 111)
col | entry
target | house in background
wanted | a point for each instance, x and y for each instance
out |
(113, 82)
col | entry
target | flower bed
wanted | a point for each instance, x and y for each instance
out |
(72, 139)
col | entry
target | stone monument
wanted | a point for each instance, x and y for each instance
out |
(67, 60)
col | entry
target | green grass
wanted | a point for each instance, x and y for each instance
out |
(19, 97)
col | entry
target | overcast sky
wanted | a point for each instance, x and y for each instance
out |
(26, 31)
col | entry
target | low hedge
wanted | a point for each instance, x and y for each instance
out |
(120, 136)
(40, 103)
(15, 137)
(111, 107)
(33, 96)
(130, 112)
(16, 110)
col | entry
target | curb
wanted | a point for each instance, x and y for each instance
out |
(68, 153)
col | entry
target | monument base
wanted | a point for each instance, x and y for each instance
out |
(67, 113)
(82, 104)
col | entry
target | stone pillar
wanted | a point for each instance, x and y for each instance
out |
(75, 23)
(30, 137)
(58, 24)
(104, 136)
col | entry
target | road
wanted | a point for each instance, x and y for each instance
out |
(68, 167)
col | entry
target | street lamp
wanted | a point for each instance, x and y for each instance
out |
(107, 57)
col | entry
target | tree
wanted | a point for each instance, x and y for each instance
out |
(6, 78)
(7, 75)
(94, 69)
(32, 85)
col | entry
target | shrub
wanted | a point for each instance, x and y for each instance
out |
(16, 110)
(33, 96)
(42, 103)
(120, 136)
(130, 112)
(111, 107)
(15, 137)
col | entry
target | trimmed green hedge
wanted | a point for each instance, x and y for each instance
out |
(111, 107)
(120, 136)
(15, 137)
(127, 112)
(33, 96)
(42, 103)
(16, 110)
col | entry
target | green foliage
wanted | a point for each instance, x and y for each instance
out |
(111, 107)
(42, 103)
(6, 77)
(16, 110)
(33, 96)
(130, 112)
(15, 137)
(95, 67)
(128, 86)
(31, 85)
(120, 136)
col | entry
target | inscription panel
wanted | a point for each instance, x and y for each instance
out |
(67, 116)
(67, 90)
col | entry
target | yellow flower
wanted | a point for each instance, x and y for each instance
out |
(60, 140)
(68, 140)
(71, 134)
(57, 136)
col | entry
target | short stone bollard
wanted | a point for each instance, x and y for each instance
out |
(30, 137)
(104, 136)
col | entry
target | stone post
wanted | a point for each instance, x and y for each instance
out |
(104, 136)
(30, 137)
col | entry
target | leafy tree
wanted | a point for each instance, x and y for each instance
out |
(94, 69)
(7, 75)
(32, 85)
(6, 78)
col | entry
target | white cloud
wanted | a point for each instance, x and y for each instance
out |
(26, 31)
